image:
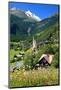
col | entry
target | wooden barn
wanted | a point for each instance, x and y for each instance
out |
(45, 60)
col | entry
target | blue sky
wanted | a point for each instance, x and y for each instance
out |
(41, 10)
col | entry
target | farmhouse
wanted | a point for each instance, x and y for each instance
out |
(45, 60)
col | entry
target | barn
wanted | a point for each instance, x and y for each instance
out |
(45, 60)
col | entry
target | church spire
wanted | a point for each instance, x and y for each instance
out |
(34, 47)
(34, 43)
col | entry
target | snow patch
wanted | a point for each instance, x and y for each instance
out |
(30, 14)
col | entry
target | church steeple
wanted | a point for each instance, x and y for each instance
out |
(34, 43)
(34, 47)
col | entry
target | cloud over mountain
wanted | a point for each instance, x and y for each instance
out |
(13, 8)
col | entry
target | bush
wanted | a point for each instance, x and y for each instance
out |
(30, 60)
(55, 62)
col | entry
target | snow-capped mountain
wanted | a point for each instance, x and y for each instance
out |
(27, 13)
(32, 15)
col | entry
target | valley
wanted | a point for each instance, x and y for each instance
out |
(29, 40)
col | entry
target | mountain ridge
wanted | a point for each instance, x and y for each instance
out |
(23, 27)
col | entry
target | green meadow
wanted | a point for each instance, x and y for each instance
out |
(40, 77)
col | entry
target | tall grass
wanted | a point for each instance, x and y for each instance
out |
(34, 77)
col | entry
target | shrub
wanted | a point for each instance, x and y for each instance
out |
(55, 62)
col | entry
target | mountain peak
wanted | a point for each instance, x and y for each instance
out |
(30, 14)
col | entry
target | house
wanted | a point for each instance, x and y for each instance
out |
(45, 60)
(18, 56)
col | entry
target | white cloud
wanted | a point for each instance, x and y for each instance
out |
(30, 14)
(13, 8)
